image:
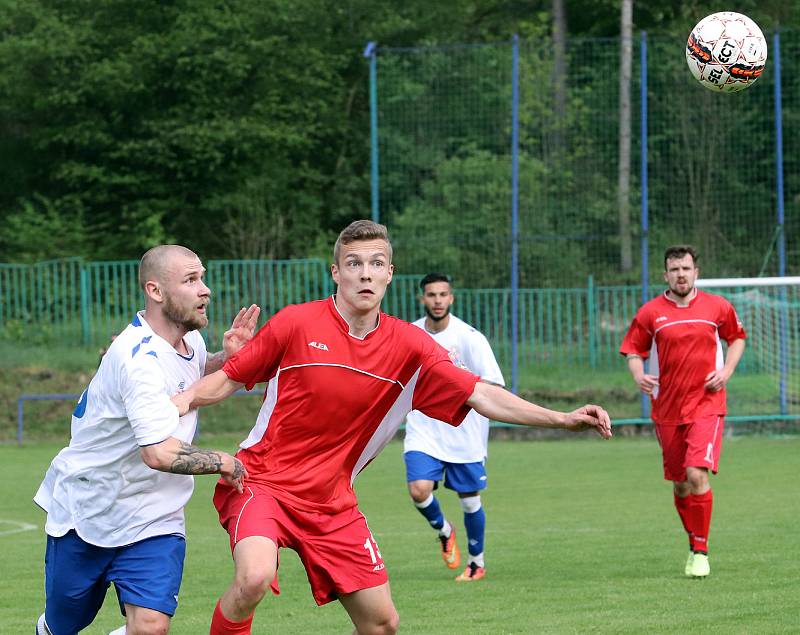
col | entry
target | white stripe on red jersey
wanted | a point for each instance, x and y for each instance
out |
(684, 346)
(333, 400)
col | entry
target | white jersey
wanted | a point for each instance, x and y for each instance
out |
(468, 442)
(99, 485)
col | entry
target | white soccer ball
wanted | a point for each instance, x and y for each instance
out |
(726, 52)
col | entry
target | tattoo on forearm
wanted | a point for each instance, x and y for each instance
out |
(238, 469)
(214, 362)
(194, 460)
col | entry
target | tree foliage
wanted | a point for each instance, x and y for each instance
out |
(241, 128)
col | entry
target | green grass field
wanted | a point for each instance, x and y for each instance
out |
(67, 370)
(581, 538)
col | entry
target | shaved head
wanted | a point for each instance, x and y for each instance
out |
(156, 262)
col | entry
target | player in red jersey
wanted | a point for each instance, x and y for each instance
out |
(341, 376)
(681, 332)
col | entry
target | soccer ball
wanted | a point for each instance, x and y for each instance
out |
(726, 52)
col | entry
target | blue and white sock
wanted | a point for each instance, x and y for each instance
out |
(475, 522)
(431, 510)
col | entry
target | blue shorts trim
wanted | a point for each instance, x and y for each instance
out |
(77, 574)
(459, 477)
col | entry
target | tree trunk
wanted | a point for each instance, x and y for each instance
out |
(624, 173)
(559, 77)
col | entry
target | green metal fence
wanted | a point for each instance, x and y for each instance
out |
(84, 303)
(272, 284)
(46, 294)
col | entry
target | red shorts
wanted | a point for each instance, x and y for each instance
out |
(338, 551)
(694, 444)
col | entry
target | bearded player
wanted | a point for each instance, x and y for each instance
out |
(681, 333)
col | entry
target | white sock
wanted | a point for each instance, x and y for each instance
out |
(41, 626)
(478, 560)
(471, 504)
(446, 529)
(424, 503)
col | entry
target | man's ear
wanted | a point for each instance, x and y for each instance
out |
(153, 291)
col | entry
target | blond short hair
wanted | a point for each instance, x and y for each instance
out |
(361, 230)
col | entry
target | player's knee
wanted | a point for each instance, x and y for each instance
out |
(148, 624)
(254, 583)
(419, 491)
(387, 624)
(698, 481)
(681, 488)
(392, 625)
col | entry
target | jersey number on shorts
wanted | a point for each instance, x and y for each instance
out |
(372, 547)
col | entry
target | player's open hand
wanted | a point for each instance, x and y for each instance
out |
(589, 417)
(242, 330)
(233, 471)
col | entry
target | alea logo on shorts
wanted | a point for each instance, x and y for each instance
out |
(378, 567)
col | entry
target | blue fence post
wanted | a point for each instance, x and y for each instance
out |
(20, 423)
(84, 304)
(645, 242)
(372, 53)
(23, 398)
(591, 324)
(783, 319)
(515, 215)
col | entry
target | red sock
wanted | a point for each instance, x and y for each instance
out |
(682, 505)
(700, 519)
(221, 625)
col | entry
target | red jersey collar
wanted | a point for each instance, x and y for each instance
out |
(344, 324)
(670, 299)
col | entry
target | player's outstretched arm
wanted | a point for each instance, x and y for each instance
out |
(242, 330)
(499, 404)
(178, 457)
(209, 390)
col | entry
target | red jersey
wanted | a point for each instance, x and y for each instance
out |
(334, 400)
(683, 344)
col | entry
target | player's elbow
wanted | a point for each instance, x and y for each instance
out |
(155, 456)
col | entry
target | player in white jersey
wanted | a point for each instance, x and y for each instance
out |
(433, 449)
(115, 496)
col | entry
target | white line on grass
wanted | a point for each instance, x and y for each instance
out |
(17, 527)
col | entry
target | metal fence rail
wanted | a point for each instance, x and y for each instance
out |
(578, 327)
(85, 303)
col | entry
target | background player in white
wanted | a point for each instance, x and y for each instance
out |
(341, 376)
(681, 332)
(115, 496)
(433, 449)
